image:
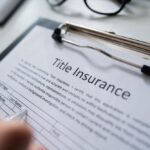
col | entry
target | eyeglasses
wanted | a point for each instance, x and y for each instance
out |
(102, 7)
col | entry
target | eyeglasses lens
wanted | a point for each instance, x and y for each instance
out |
(55, 2)
(105, 6)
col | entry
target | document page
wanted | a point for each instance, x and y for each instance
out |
(77, 99)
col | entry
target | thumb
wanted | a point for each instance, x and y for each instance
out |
(14, 136)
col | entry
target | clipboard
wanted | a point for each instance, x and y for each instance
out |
(102, 90)
(61, 29)
(41, 22)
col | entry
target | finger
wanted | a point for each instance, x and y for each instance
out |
(14, 136)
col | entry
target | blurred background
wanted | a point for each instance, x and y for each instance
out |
(133, 21)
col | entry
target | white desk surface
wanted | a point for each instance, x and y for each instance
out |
(134, 22)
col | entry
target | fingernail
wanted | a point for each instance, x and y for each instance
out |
(36, 147)
(40, 148)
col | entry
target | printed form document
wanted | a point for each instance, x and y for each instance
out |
(76, 99)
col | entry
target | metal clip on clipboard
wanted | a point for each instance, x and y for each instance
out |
(132, 44)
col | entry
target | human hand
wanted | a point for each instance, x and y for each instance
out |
(16, 136)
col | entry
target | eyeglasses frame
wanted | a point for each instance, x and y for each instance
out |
(124, 2)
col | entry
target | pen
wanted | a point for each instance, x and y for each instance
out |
(17, 116)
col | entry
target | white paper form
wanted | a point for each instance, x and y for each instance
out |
(76, 100)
